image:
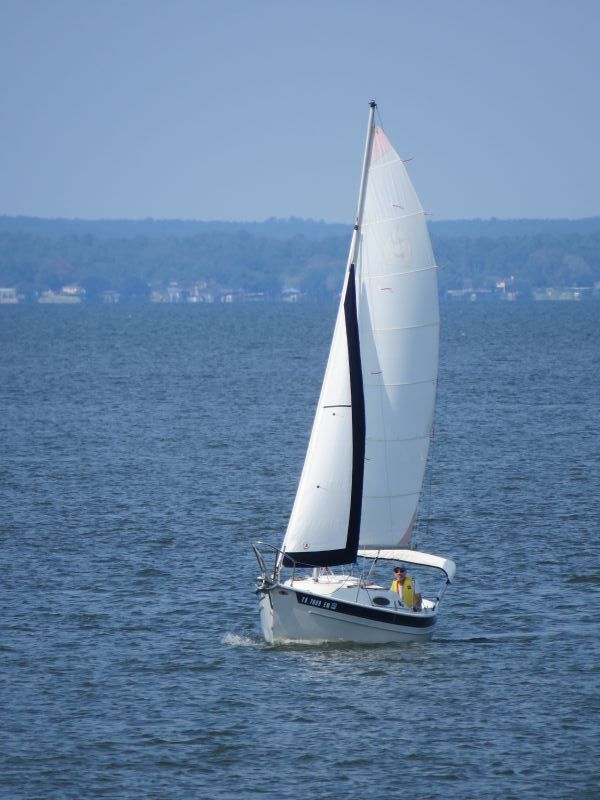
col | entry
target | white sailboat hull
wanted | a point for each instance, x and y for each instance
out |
(299, 614)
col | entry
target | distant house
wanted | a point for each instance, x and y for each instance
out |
(563, 293)
(173, 292)
(292, 295)
(199, 293)
(194, 294)
(110, 297)
(471, 295)
(72, 291)
(9, 296)
(505, 289)
(68, 294)
(233, 295)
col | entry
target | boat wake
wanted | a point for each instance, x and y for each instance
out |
(236, 640)
(522, 637)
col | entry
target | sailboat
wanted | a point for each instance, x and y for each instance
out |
(357, 500)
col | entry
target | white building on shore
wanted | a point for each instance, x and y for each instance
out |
(8, 296)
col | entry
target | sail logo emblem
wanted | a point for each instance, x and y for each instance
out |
(397, 250)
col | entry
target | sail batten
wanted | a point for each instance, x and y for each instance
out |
(391, 496)
(433, 379)
(388, 163)
(398, 218)
(399, 439)
(400, 274)
(435, 324)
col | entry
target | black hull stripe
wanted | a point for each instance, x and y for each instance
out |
(374, 614)
(347, 554)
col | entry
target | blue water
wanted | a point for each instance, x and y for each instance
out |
(143, 448)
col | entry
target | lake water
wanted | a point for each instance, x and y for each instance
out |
(144, 448)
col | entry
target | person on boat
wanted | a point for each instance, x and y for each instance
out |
(405, 587)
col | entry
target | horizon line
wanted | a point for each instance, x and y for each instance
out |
(274, 219)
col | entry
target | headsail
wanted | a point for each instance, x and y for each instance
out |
(365, 461)
(325, 522)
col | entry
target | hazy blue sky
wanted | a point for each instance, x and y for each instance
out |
(233, 109)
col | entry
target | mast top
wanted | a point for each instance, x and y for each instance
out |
(372, 104)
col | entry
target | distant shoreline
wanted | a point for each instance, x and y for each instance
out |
(108, 261)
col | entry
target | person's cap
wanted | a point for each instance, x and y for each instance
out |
(399, 569)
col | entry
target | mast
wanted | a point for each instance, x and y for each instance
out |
(363, 184)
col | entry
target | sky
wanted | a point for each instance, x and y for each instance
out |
(250, 109)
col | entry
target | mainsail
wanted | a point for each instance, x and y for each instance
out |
(399, 328)
(364, 467)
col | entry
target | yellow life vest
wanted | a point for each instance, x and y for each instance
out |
(407, 590)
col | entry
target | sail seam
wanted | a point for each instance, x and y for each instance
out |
(405, 439)
(419, 213)
(380, 163)
(389, 496)
(407, 327)
(399, 274)
(406, 383)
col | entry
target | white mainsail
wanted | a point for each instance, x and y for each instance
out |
(399, 332)
(371, 430)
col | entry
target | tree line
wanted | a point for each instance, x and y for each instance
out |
(133, 258)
